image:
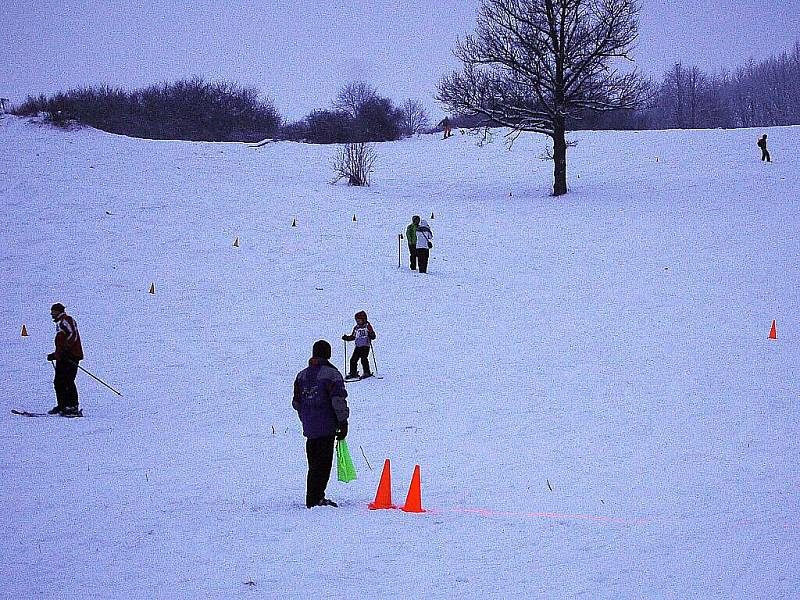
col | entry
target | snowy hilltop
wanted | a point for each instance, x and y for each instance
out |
(585, 381)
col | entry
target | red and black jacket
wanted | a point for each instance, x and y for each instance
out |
(68, 340)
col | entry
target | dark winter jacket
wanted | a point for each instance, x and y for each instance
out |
(68, 340)
(320, 399)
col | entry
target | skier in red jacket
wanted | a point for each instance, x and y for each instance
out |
(67, 355)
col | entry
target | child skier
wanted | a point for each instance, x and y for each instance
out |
(363, 334)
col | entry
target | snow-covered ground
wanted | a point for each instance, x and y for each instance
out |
(585, 381)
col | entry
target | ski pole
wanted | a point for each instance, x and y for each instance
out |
(345, 355)
(97, 378)
(399, 238)
(374, 360)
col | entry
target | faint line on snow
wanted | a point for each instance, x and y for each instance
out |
(540, 515)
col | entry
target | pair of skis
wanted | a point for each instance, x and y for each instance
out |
(354, 379)
(25, 413)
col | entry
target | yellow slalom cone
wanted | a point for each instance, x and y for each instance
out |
(24, 331)
(236, 243)
(152, 288)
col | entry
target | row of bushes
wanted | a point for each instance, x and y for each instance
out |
(194, 109)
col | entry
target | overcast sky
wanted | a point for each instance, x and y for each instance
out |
(300, 53)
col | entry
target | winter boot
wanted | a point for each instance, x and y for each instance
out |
(56, 410)
(352, 375)
(71, 411)
(366, 374)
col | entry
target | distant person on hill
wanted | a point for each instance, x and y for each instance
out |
(321, 403)
(411, 238)
(445, 125)
(762, 143)
(68, 353)
(424, 245)
(362, 334)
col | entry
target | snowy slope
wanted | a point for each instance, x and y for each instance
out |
(586, 381)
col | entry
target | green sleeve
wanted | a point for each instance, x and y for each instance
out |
(411, 234)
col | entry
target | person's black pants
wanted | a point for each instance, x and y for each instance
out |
(360, 353)
(320, 459)
(64, 382)
(422, 259)
(412, 257)
(765, 155)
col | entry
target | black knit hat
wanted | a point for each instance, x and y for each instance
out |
(58, 307)
(321, 349)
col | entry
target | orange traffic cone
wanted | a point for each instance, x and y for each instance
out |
(383, 499)
(432, 217)
(236, 243)
(773, 332)
(24, 331)
(414, 498)
(354, 218)
(152, 288)
(294, 222)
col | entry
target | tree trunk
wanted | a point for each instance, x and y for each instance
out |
(559, 161)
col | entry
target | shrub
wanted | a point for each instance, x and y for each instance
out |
(354, 161)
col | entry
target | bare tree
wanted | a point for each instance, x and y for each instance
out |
(354, 161)
(353, 96)
(415, 117)
(532, 64)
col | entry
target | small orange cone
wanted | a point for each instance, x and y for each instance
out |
(432, 217)
(383, 498)
(152, 288)
(24, 331)
(773, 332)
(294, 222)
(414, 498)
(236, 243)
(354, 218)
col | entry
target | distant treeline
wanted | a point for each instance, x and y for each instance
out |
(192, 109)
(359, 114)
(759, 94)
(195, 109)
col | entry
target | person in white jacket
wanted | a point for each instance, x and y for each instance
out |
(424, 236)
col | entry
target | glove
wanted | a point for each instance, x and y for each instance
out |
(341, 433)
(51, 356)
(348, 338)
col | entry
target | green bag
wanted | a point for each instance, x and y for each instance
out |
(347, 472)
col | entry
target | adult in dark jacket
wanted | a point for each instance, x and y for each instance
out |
(762, 143)
(411, 238)
(69, 352)
(320, 400)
